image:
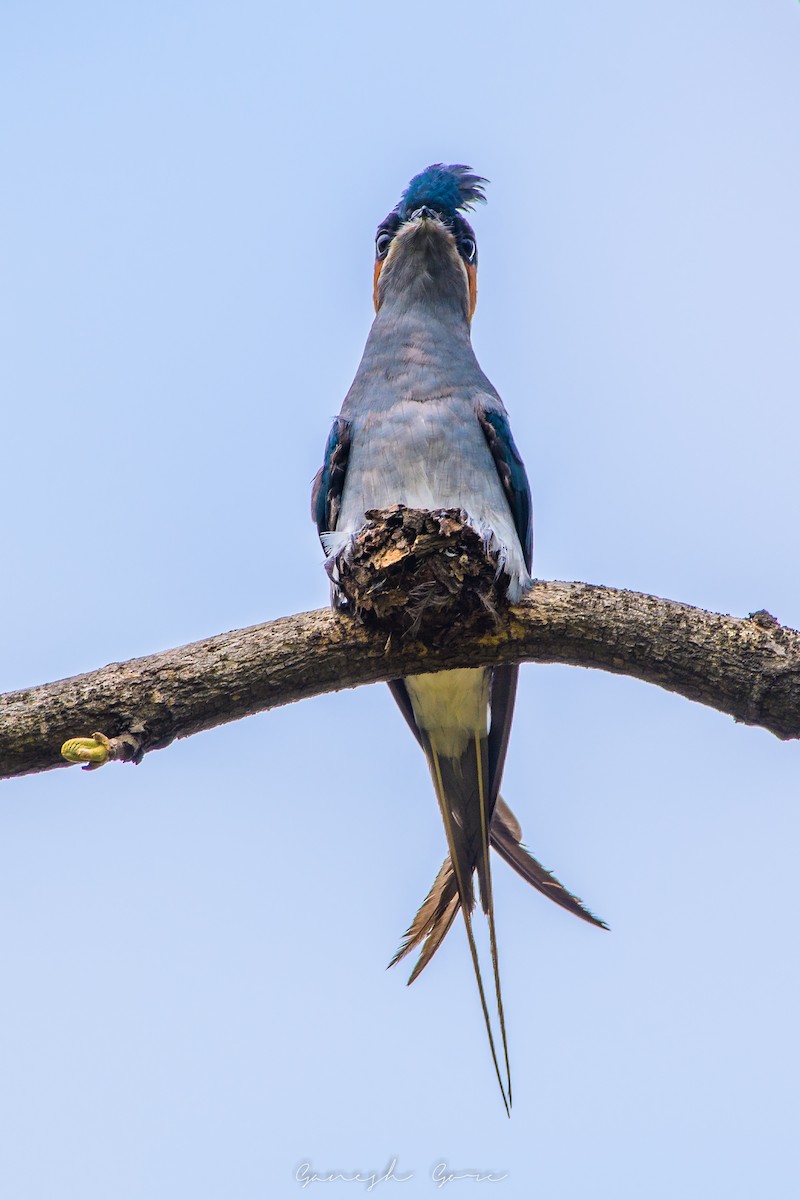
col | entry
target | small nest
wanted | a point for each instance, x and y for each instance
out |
(419, 573)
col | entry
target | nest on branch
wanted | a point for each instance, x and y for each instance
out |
(420, 573)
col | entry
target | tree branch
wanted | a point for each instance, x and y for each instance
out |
(747, 667)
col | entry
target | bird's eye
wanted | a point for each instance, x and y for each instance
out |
(382, 243)
(468, 249)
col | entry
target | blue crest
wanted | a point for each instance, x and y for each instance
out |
(445, 189)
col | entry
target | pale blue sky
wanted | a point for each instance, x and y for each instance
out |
(193, 994)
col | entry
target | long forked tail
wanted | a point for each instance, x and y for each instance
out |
(462, 791)
(440, 907)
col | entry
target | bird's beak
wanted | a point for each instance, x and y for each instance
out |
(425, 213)
(426, 221)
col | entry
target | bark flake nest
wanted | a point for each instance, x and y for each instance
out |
(420, 573)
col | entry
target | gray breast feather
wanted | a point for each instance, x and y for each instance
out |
(430, 454)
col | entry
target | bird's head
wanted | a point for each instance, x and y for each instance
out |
(425, 250)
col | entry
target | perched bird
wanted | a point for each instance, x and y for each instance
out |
(422, 426)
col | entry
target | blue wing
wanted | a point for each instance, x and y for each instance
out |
(514, 479)
(326, 494)
(512, 474)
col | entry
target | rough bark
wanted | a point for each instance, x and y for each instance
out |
(746, 667)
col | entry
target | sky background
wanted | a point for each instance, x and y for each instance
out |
(193, 997)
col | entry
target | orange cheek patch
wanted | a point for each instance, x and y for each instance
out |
(376, 276)
(472, 279)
